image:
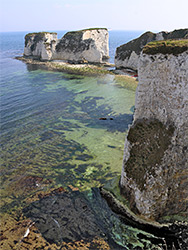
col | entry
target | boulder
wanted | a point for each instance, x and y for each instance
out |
(155, 167)
(127, 55)
(90, 45)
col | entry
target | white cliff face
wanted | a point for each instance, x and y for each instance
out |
(101, 38)
(155, 167)
(129, 62)
(86, 45)
(40, 45)
(163, 86)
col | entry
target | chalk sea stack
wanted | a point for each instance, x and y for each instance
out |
(127, 55)
(89, 45)
(155, 167)
(40, 45)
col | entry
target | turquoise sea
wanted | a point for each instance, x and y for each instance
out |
(50, 120)
(52, 137)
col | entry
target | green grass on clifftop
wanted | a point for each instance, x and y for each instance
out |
(81, 31)
(43, 33)
(174, 47)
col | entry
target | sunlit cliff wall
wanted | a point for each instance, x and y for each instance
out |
(155, 167)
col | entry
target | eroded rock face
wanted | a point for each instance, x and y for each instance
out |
(127, 55)
(155, 168)
(85, 45)
(40, 45)
(89, 45)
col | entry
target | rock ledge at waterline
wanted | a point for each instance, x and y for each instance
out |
(89, 45)
(155, 168)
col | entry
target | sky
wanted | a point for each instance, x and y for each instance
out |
(51, 15)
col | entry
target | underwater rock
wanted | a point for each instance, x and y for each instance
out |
(104, 118)
(155, 168)
(28, 183)
(69, 217)
(23, 234)
(127, 55)
(64, 218)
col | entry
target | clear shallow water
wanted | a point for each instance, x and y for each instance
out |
(51, 132)
(51, 126)
(50, 121)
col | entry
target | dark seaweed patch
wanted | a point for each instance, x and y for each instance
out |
(74, 216)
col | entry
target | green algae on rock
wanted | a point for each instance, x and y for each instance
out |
(149, 139)
(123, 81)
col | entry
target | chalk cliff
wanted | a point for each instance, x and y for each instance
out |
(155, 167)
(127, 55)
(40, 45)
(86, 45)
(90, 45)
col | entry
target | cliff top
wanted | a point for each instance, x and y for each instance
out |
(89, 29)
(43, 33)
(174, 47)
(81, 31)
(40, 33)
(38, 36)
(136, 45)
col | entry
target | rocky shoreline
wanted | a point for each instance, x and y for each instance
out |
(80, 68)
(127, 78)
(170, 235)
(74, 68)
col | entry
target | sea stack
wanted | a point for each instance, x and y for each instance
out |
(40, 45)
(155, 167)
(127, 55)
(89, 45)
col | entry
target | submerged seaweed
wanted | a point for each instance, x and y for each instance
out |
(73, 216)
(54, 132)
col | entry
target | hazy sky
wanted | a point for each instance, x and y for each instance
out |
(46, 15)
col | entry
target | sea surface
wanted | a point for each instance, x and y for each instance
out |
(50, 120)
(51, 132)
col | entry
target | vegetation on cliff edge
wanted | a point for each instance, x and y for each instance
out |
(89, 29)
(174, 47)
